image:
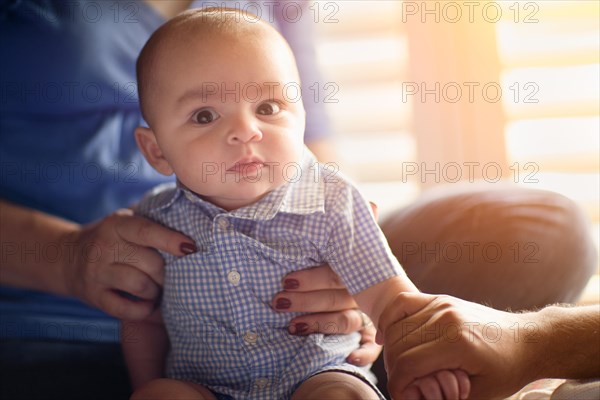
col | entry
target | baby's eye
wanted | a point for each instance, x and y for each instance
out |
(205, 116)
(268, 108)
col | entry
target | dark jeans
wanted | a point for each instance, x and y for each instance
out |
(62, 370)
(507, 247)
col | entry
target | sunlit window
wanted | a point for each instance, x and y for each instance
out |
(543, 55)
(364, 53)
(558, 127)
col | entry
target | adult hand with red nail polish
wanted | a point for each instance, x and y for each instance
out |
(332, 309)
(114, 264)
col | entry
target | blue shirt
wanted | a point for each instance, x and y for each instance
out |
(68, 109)
(216, 302)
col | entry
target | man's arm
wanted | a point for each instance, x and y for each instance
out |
(569, 345)
(500, 351)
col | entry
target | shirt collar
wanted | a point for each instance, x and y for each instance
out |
(306, 194)
(161, 197)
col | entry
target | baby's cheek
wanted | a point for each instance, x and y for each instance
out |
(196, 164)
(196, 174)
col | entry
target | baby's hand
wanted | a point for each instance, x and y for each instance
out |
(441, 385)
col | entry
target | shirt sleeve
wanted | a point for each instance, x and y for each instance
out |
(357, 250)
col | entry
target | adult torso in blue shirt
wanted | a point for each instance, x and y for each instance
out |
(69, 108)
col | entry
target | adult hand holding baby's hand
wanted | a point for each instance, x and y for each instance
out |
(116, 255)
(424, 335)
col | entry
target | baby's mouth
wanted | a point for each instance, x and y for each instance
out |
(248, 165)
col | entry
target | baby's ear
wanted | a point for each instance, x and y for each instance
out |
(146, 141)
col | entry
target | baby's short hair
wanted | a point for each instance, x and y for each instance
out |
(200, 21)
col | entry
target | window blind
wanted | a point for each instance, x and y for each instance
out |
(363, 51)
(554, 125)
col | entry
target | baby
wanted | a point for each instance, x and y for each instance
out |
(219, 92)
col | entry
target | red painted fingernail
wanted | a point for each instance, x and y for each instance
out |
(291, 284)
(187, 248)
(283, 303)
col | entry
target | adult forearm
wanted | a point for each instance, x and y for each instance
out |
(570, 342)
(145, 346)
(95, 262)
(34, 248)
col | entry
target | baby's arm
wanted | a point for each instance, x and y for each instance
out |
(361, 257)
(444, 384)
(145, 346)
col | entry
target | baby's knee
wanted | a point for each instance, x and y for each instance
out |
(150, 389)
(337, 390)
(334, 385)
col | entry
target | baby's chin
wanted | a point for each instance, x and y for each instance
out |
(230, 204)
(240, 195)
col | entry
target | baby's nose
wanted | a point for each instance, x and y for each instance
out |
(244, 131)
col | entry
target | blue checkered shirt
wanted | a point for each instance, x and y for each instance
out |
(216, 302)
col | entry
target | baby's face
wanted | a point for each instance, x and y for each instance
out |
(228, 118)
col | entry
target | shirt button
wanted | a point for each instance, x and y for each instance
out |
(223, 223)
(234, 277)
(250, 337)
(261, 383)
